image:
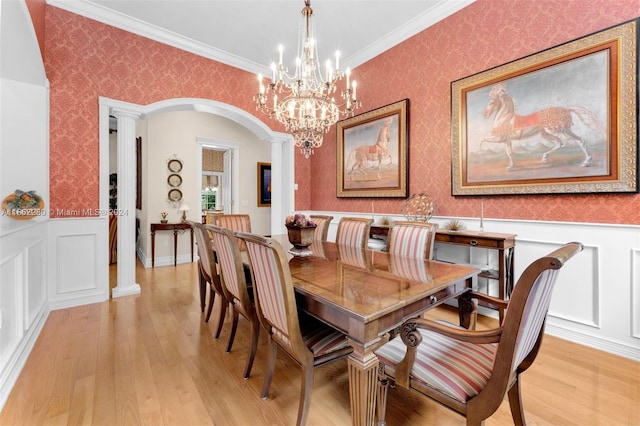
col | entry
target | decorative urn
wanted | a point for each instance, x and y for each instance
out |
(300, 230)
(301, 236)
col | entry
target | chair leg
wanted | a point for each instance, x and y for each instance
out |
(234, 327)
(255, 334)
(203, 290)
(223, 312)
(212, 299)
(515, 403)
(271, 365)
(305, 394)
(383, 388)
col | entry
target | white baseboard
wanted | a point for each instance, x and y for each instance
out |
(625, 351)
(13, 367)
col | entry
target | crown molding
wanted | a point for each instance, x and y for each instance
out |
(153, 32)
(99, 13)
(421, 22)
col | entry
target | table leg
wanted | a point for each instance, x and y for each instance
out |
(175, 247)
(153, 249)
(363, 382)
(468, 311)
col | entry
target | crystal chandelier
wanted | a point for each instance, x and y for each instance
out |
(306, 105)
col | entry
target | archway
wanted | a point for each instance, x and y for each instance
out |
(282, 159)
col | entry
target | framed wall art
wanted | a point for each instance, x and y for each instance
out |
(563, 120)
(264, 184)
(373, 154)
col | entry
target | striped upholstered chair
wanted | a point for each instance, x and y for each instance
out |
(235, 222)
(353, 231)
(236, 286)
(471, 371)
(412, 239)
(208, 274)
(322, 227)
(307, 340)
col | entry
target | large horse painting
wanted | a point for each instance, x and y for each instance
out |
(563, 120)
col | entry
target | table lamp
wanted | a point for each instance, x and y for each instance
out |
(184, 208)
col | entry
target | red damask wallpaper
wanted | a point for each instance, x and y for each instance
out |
(485, 34)
(85, 59)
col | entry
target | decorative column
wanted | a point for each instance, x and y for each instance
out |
(282, 175)
(126, 204)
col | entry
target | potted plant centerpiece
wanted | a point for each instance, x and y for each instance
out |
(300, 230)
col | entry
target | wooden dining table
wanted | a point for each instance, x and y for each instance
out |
(366, 294)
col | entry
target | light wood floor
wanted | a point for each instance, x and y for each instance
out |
(150, 359)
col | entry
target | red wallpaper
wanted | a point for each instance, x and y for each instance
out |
(86, 59)
(486, 34)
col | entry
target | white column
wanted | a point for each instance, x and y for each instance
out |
(282, 175)
(126, 204)
(277, 218)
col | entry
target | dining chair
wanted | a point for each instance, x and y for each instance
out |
(353, 231)
(471, 371)
(211, 218)
(322, 226)
(208, 274)
(305, 339)
(236, 287)
(235, 222)
(202, 279)
(412, 239)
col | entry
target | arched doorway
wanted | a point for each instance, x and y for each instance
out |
(126, 114)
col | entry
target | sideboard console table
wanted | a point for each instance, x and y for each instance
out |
(503, 243)
(175, 227)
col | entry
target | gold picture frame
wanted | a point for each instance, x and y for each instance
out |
(373, 153)
(264, 184)
(563, 120)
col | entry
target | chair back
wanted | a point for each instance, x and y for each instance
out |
(412, 239)
(211, 218)
(205, 253)
(322, 226)
(353, 231)
(235, 222)
(523, 324)
(274, 293)
(234, 283)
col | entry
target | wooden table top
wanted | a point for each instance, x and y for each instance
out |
(371, 286)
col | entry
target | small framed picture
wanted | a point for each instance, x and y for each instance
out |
(264, 184)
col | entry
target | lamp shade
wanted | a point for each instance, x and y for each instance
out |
(184, 207)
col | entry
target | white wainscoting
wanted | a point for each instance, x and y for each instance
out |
(23, 307)
(78, 261)
(596, 301)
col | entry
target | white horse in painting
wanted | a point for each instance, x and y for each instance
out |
(553, 124)
(359, 157)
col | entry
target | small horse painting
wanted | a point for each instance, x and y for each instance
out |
(552, 124)
(359, 157)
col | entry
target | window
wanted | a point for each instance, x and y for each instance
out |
(211, 188)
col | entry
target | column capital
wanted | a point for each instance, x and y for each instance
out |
(125, 113)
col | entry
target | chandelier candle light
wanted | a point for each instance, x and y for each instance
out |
(307, 107)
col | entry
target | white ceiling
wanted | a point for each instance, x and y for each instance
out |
(246, 33)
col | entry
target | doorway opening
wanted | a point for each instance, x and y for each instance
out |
(126, 115)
